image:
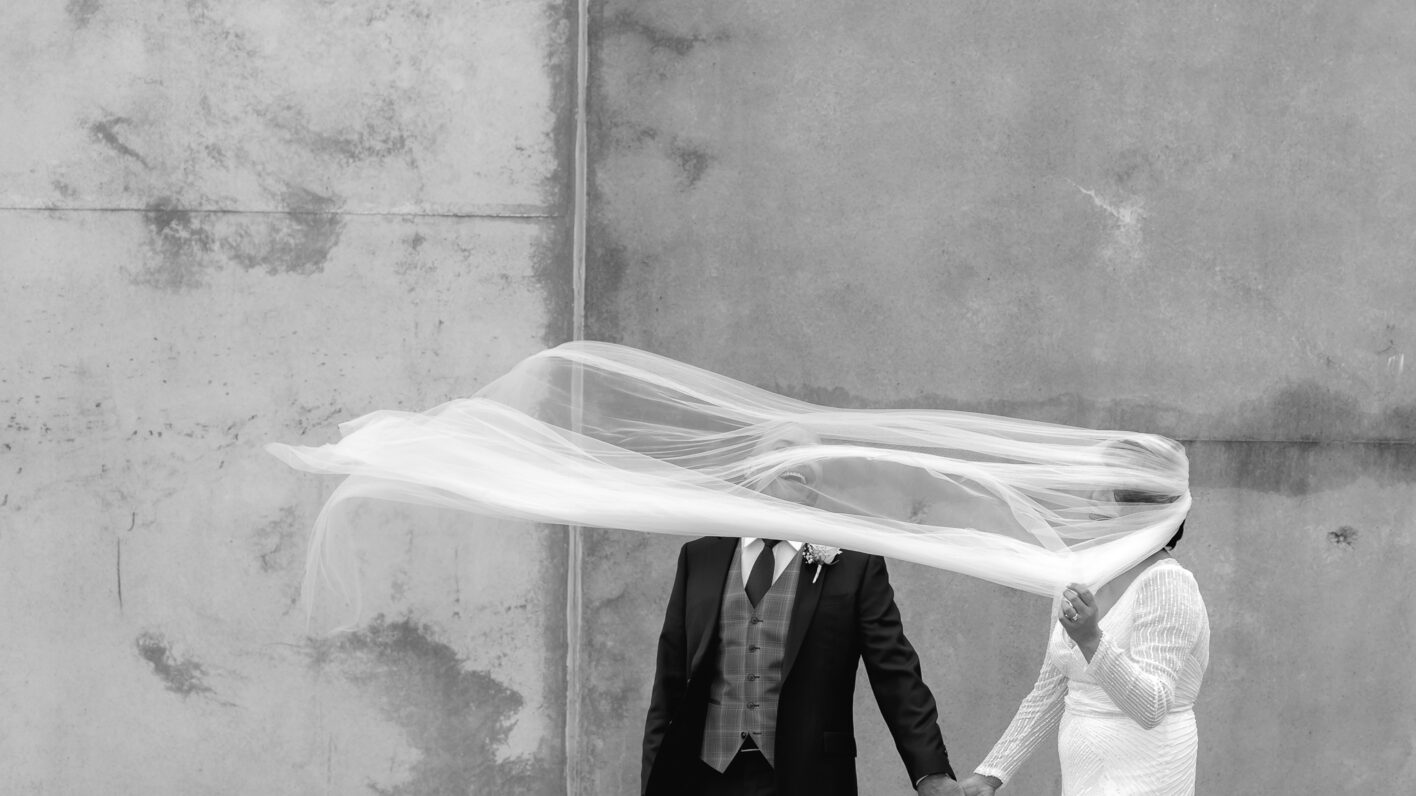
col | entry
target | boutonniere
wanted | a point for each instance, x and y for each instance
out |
(820, 555)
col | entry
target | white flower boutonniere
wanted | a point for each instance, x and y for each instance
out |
(820, 555)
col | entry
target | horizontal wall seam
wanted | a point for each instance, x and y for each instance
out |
(509, 212)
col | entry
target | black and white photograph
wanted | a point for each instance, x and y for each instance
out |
(654, 398)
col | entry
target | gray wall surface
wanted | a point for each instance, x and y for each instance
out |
(231, 222)
(225, 223)
(1187, 218)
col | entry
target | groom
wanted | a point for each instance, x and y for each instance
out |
(757, 666)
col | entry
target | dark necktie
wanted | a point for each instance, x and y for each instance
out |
(759, 580)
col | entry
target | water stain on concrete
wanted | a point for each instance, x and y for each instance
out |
(180, 675)
(607, 263)
(691, 162)
(381, 136)
(106, 133)
(1298, 468)
(378, 135)
(81, 12)
(1346, 536)
(181, 245)
(457, 719)
(276, 542)
(553, 274)
(413, 268)
(628, 22)
(187, 244)
(298, 242)
(553, 250)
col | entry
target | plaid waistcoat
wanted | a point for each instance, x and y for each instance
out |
(742, 699)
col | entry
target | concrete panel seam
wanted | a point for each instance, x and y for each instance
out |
(495, 211)
(574, 549)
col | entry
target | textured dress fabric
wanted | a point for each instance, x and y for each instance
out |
(1125, 721)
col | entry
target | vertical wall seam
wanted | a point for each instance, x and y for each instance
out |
(574, 553)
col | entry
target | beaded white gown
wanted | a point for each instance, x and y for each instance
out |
(1125, 721)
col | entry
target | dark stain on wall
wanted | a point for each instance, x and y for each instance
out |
(82, 11)
(276, 542)
(181, 245)
(181, 676)
(553, 255)
(186, 244)
(379, 135)
(691, 162)
(554, 273)
(628, 22)
(106, 133)
(411, 267)
(1346, 536)
(299, 242)
(605, 266)
(457, 719)
(1306, 411)
(1298, 468)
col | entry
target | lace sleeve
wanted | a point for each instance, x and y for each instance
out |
(1141, 679)
(1037, 716)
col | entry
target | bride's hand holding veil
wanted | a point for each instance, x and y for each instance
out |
(1080, 617)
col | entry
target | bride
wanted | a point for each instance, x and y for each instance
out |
(1119, 680)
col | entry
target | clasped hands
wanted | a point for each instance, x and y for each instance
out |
(973, 785)
(938, 785)
(979, 785)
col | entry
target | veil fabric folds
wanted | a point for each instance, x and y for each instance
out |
(597, 434)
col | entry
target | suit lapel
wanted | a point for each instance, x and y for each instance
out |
(809, 587)
(705, 595)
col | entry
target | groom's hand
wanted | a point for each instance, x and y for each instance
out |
(938, 785)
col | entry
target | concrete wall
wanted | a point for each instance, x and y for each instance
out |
(228, 222)
(1188, 218)
(224, 223)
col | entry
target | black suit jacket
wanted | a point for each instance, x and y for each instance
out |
(846, 615)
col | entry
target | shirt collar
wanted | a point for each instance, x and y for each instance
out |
(747, 540)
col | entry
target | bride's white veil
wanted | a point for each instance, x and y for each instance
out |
(595, 434)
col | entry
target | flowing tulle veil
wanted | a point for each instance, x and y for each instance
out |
(602, 435)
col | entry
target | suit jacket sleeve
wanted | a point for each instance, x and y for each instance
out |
(670, 671)
(894, 671)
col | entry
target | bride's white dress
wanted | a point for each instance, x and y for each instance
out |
(1125, 721)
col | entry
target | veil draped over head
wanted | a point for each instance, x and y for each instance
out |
(596, 434)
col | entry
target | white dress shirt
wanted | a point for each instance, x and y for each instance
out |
(783, 554)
